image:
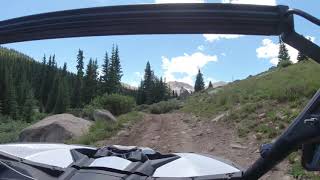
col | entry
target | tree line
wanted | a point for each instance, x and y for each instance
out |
(28, 86)
(284, 57)
(153, 89)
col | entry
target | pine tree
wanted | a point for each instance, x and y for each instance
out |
(210, 85)
(164, 90)
(152, 89)
(45, 84)
(199, 84)
(117, 66)
(80, 64)
(148, 84)
(284, 58)
(20, 92)
(76, 98)
(52, 98)
(90, 81)
(64, 70)
(40, 78)
(115, 72)
(63, 98)
(11, 107)
(54, 63)
(29, 105)
(140, 99)
(105, 73)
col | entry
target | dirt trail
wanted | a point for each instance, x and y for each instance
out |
(178, 132)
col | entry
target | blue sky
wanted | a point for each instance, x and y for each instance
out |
(176, 57)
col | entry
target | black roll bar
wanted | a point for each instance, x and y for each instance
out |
(213, 18)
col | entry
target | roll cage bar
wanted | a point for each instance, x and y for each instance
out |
(182, 19)
(211, 18)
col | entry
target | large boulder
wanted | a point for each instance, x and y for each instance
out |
(101, 114)
(57, 128)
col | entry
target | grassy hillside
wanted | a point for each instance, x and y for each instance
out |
(261, 106)
(274, 96)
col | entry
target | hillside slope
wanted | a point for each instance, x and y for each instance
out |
(261, 106)
(277, 94)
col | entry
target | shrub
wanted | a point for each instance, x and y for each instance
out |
(164, 107)
(142, 107)
(285, 64)
(115, 103)
(10, 129)
(101, 130)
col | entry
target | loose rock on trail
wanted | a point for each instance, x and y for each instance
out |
(179, 132)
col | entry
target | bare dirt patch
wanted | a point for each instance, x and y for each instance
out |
(179, 132)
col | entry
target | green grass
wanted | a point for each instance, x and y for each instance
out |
(279, 93)
(101, 130)
(10, 129)
(160, 107)
(297, 171)
(117, 104)
(164, 107)
(263, 105)
(282, 85)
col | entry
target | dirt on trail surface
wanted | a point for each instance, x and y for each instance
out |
(179, 132)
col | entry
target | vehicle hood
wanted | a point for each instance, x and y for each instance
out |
(59, 155)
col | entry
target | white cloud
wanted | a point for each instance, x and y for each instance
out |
(223, 54)
(134, 83)
(269, 50)
(135, 79)
(200, 48)
(216, 37)
(179, 1)
(187, 65)
(258, 2)
(99, 72)
(138, 75)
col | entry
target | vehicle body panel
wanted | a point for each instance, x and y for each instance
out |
(59, 155)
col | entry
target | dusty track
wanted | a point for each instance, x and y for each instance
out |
(177, 132)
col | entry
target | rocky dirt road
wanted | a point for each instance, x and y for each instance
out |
(178, 132)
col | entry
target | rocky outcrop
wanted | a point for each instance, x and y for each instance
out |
(184, 93)
(177, 86)
(57, 128)
(101, 114)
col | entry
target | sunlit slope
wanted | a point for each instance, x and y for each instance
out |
(264, 103)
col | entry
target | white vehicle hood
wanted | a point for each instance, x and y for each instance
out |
(51, 154)
(59, 155)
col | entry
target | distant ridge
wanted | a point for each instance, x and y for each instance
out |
(219, 84)
(177, 86)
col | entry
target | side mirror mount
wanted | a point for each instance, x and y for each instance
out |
(311, 157)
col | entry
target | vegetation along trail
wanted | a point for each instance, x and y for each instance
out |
(180, 132)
